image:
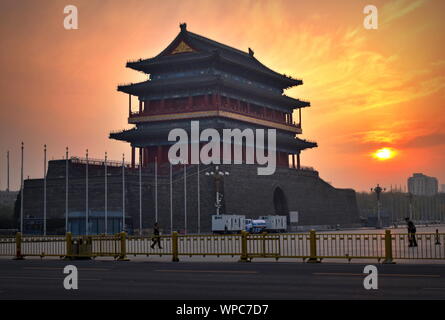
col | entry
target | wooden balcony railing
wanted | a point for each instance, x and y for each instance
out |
(224, 107)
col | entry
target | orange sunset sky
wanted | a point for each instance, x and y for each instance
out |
(369, 89)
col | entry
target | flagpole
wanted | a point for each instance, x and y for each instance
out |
(21, 193)
(185, 199)
(156, 189)
(86, 197)
(66, 191)
(199, 204)
(106, 195)
(44, 190)
(140, 195)
(7, 160)
(171, 200)
(123, 192)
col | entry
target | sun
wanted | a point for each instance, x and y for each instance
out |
(384, 154)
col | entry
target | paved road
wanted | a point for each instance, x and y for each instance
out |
(35, 279)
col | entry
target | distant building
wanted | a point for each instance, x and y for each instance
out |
(442, 188)
(7, 198)
(422, 185)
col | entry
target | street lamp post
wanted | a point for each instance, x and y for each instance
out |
(218, 176)
(378, 190)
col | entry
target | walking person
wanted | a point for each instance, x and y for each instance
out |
(156, 237)
(411, 233)
(437, 238)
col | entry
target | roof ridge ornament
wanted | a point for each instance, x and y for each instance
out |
(251, 53)
(183, 27)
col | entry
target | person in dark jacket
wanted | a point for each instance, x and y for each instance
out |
(156, 237)
(411, 233)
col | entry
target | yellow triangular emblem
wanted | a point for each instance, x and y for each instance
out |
(182, 47)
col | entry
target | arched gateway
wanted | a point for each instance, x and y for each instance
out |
(280, 202)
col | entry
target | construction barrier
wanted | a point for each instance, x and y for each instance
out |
(311, 247)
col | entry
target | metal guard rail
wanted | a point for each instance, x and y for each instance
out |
(311, 247)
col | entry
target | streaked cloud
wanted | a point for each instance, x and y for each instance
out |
(434, 139)
(396, 9)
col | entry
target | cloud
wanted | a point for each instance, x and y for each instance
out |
(400, 135)
(345, 75)
(397, 9)
(434, 139)
(379, 136)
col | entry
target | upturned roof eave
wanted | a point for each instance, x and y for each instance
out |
(213, 80)
(226, 51)
(148, 64)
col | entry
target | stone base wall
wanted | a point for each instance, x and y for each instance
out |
(245, 193)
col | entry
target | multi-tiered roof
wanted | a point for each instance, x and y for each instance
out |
(198, 78)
